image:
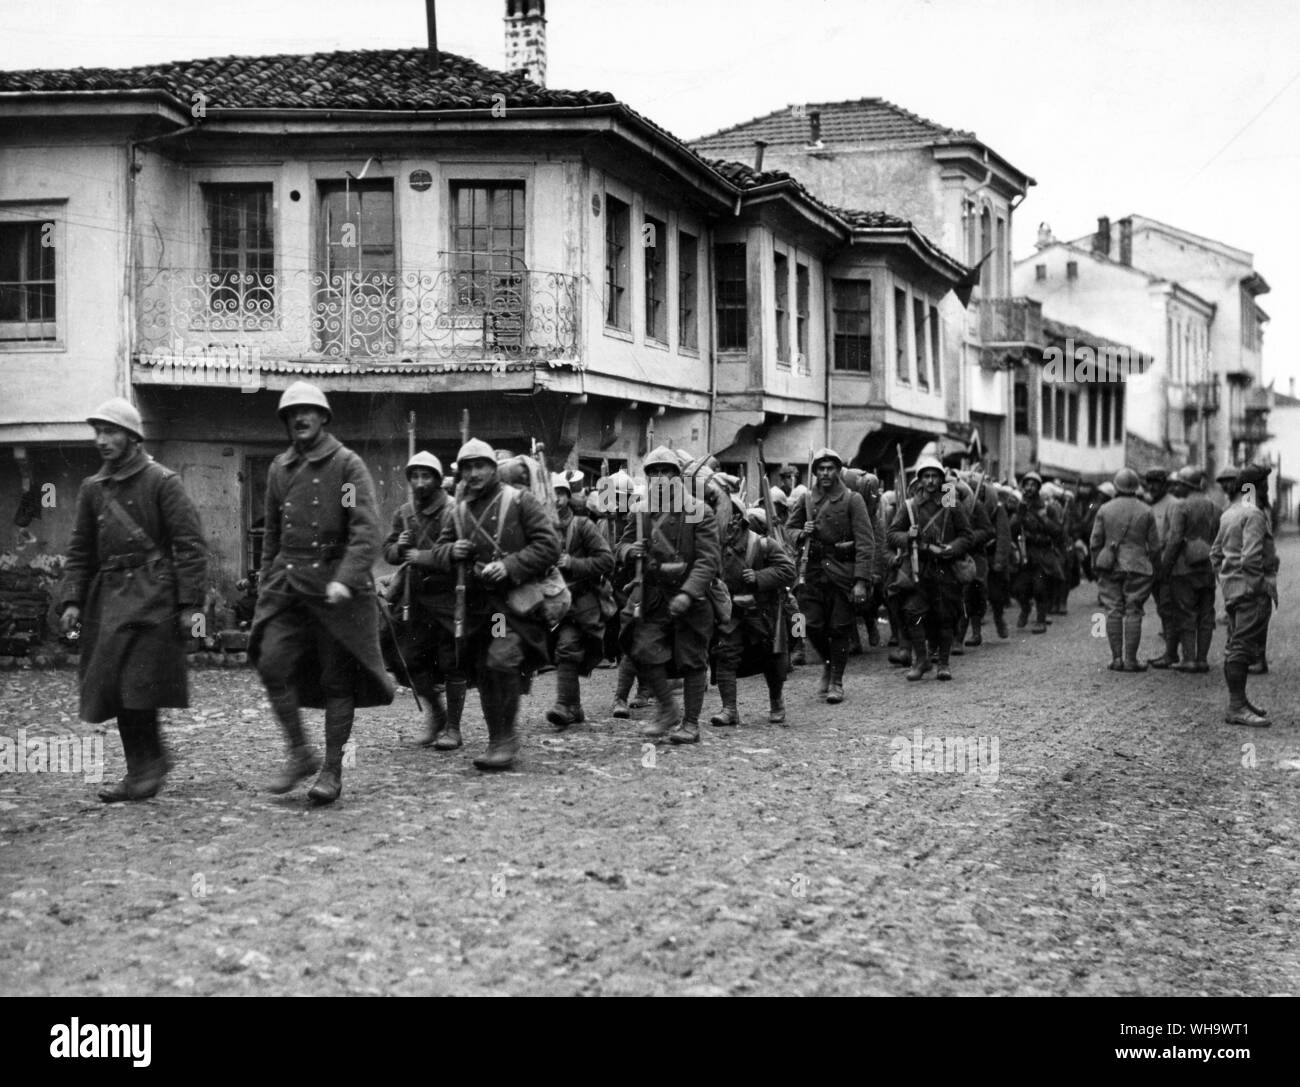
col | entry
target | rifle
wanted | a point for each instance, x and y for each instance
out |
(405, 573)
(906, 502)
(640, 566)
(780, 635)
(459, 608)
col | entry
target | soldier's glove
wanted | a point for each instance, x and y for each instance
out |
(336, 593)
(679, 605)
(859, 592)
(70, 618)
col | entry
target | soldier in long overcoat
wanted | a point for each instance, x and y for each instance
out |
(668, 620)
(416, 588)
(758, 571)
(936, 525)
(1124, 547)
(1037, 525)
(135, 575)
(586, 559)
(495, 538)
(1185, 565)
(1163, 505)
(841, 564)
(315, 636)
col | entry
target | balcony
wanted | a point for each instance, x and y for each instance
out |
(1251, 427)
(359, 319)
(1201, 398)
(1009, 331)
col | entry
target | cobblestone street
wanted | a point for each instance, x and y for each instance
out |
(1119, 839)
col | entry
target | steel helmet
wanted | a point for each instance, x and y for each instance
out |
(1230, 473)
(1192, 477)
(1108, 489)
(121, 413)
(474, 449)
(779, 497)
(424, 459)
(757, 518)
(1126, 481)
(304, 394)
(559, 481)
(663, 456)
(826, 453)
(1031, 475)
(930, 464)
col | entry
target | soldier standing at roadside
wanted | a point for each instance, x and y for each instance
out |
(1124, 546)
(1185, 566)
(1244, 557)
(1040, 529)
(758, 571)
(315, 636)
(937, 526)
(410, 545)
(1163, 505)
(841, 564)
(502, 537)
(669, 617)
(585, 560)
(134, 576)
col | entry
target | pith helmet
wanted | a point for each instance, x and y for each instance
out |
(1126, 481)
(662, 457)
(559, 481)
(304, 394)
(475, 449)
(121, 413)
(826, 454)
(924, 464)
(424, 459)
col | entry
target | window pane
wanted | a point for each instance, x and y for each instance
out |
(730, 261)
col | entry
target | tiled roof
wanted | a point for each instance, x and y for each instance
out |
(870, 220)
(395, 79)
(852, 123)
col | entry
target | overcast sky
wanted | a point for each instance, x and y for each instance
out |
(1183, 110)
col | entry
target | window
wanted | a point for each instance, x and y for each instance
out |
(851, 309)
(488, 244)
(1072, 269)
(1045, 412)
(654, 238)
(935, 357)
(1072, 435)
(732, 296)
(920, 339)
(359, 231)
(357, 301)
(27, 285)
(1119, 414)
(688, 264)
(1094, 396)
(1105, 415)
(782, 273)
(998, 287)
(801, 291)
(901, 361)
(1040, 272)
(1059, 416)
(241, 249)
(1022, 408)
(618, 221)
(986, 250)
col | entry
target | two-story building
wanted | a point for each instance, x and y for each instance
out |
(953, 189)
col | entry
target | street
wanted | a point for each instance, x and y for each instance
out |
(1108, 835)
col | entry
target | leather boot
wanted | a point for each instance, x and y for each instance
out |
(835, 689)
(976, 634)
(797, 655)
(623, 687)
(1133, 639)
(339, 711)
(435, 712)
(1115, 636)
(1000, 625)
(1040, 619)
(1169, 657)
(1240, 711)
(825, 683)
(694, 684)
(946, 646)
(959, 637)
(449, 738)
(154, 762)
(920, 656)
(128, 729)
(567, 696)
(666, 711)
(303, 761)
(873, 629)
(1258, 668)
(503, 740)
(1023, 620)
(729, 715)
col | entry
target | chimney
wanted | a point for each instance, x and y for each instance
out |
(526, 39)
(1126, 241)
(1291, 382)
(759, 146)
(1045, 236)
(431, 22)
(1101, 240)
(815, 127)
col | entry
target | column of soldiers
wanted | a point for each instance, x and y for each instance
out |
(496, 580)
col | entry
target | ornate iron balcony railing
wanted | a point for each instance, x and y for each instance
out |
(358, 317)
